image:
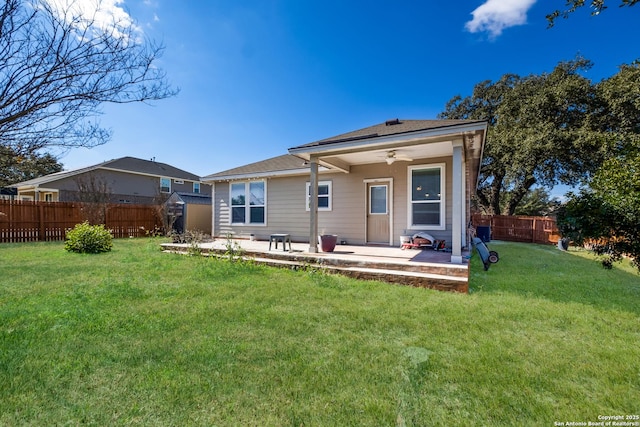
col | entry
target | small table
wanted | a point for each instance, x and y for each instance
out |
(284, 238)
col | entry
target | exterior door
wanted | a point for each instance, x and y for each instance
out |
(378, 213)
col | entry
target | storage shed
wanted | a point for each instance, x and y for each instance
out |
(189, 211)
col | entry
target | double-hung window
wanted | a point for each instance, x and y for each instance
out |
(196, 187)
(324, 196)
(426, 197)
(165, 185)
(248, 203)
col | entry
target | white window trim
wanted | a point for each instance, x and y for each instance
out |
(329, 196)
(443, 188)
(247, 205)
(194, 188)
(168, 179)
(386, 212)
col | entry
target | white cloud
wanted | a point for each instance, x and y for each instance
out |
(495, 15)
(106, 15)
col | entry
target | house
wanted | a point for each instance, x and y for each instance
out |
(370, 187)
(123, 180)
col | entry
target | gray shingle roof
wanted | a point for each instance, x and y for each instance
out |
(194, 198)
(128, 164)
(390, 127)
(291, 163)
(150, 167)
(286, 162)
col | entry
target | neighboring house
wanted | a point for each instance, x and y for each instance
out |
(370, 186)
(123, 180)
(190, 212)
(8, 193)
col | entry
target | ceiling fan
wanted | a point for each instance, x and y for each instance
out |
(392, 156)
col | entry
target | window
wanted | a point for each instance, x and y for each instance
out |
(48, 197)
(196, 187)
(324, 196)
(426, 201)
(248, 203)
(165, 185)
(378, 200)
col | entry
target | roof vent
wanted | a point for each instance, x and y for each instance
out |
(392, 122)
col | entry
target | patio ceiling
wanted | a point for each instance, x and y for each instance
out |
(399, 153)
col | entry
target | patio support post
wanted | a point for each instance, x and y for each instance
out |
(458, 205)
(313, 205)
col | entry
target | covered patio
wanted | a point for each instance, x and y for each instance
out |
(413, 267)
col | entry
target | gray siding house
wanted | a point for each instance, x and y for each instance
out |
(123, 180)
(369, 186)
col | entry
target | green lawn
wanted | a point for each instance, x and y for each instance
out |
(138, 337)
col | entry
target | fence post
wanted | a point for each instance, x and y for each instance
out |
(533, 231)
(41, 229)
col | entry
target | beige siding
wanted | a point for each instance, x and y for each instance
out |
(198, 217)
(286, 205)
(221, 212)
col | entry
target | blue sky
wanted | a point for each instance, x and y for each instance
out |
(259, 76)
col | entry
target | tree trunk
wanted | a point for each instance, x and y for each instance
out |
(518, 194)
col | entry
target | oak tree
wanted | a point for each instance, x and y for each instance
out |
(540, 133)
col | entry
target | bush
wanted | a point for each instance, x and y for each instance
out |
(89, 239)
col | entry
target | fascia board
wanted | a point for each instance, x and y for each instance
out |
(397, 138)
(148, 174)
(258, 175)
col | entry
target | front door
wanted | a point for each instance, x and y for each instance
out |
(378, 213)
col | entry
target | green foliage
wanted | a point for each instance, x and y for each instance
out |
(15, 167)
(597, 6)
(539, 133)
(537, 203)
(608, 229)
(88, 239)
(234, 251)
(549, 129)
(194, 238)
(608, 212)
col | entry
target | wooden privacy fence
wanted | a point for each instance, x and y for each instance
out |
(22, 221)
(532, 229)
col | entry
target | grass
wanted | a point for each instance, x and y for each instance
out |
(138, 337)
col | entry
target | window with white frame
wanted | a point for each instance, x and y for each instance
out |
(324, 196)
(248, 203)
(196, 187)
(426, 197)
(165, 185)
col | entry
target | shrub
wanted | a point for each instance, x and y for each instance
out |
(90, 239)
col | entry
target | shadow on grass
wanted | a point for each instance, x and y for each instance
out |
(544, 271)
